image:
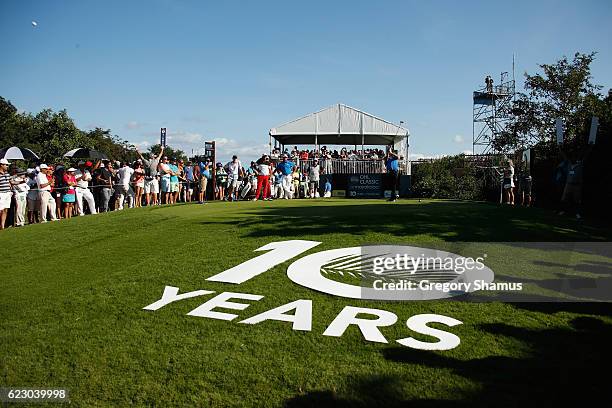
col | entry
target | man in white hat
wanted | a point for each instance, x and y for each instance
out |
(5, 191)
(83, 177)
(44, 182)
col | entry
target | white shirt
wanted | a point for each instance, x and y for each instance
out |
(22, 188)
(84, 182)
(125, 175)
(263, 169)
(41, 178)
(165, 170)
(233, 169)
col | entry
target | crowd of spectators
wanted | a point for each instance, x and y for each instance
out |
(296, 154)
(53, 192)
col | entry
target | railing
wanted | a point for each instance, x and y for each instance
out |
(348, 166)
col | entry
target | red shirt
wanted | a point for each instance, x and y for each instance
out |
(69, 178)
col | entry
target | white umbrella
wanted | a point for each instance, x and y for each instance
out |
(18, 153)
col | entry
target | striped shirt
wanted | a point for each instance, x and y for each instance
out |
(5, 185)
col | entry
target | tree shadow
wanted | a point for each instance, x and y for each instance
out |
(449, 220)
(563, 366)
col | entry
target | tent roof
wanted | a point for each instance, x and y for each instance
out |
(339, 125)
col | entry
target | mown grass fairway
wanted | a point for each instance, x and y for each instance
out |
(72, 295)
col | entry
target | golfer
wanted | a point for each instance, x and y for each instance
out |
(392, 164)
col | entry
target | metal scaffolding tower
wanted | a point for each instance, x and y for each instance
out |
(492, 112)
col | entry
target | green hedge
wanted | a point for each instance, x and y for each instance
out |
(449, 177)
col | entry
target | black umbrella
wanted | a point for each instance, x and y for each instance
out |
(84, 153)
(18, 153)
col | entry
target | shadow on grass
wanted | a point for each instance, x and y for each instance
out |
(452, 221)
(564, 366)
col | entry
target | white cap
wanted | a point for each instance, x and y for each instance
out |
(101, 165)
(4, 161)
(43, 166)
(71, 169)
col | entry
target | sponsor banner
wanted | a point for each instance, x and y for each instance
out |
(365, 186)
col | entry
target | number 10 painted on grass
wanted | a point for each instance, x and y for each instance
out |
(279, 252)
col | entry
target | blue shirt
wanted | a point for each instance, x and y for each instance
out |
(189, 173)
(392, 164)
(286, 168)
(174, 169)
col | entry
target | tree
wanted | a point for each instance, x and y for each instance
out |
(563, 90)
(51, 134)
(168, 151)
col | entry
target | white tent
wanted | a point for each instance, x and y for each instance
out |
(342, 125)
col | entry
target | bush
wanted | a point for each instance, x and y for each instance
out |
(449, 177)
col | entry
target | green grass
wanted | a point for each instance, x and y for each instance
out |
(72, 295)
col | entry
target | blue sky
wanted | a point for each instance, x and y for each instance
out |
(229, 70)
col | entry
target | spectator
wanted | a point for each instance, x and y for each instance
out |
(314, 172)
(278, 191)
(139, 183)
(33, 198)
(295, 181)
(104, 182)
(509, 182)
(5, 191)
(151, 187)
(526, 185)
(124, 177)
(69, 196)
(44, 183)
(165, 172)
(83, 177)
(572, 193)
(20, 192)
(234, 172)
(189, 181)
(204, 175)
(220, 182)
(174, 181)
(58, 188)
(182, 181)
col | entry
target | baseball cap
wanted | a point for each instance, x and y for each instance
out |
(88, 163)
(72, 169)
(43, 166)
(4, 161)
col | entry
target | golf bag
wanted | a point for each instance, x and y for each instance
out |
(244, 189)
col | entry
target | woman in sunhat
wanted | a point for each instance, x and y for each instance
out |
(70, 196)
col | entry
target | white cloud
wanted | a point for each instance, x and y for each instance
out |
(132, 125)
(421, 156)
(246, 150)
(459, 139)
(143, 145)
